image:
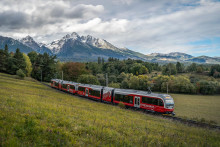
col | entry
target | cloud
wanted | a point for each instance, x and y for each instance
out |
(41, 14)
(144, 26)
(12, 19)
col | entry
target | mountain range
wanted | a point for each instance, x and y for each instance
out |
(73, 47)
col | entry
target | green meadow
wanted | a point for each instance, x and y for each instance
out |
(198, 107)
(32, 114)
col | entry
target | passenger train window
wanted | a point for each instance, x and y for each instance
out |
(56, 84)
(64, 86)
(124, 98)
(72, 87)
(94, 92)
(160, 102)
(81, 88)
(152, 101)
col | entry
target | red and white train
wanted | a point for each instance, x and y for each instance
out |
(160, 103)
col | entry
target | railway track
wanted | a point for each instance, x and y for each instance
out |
(174, 118)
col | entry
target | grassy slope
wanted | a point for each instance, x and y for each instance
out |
(32, 114)
(198, 106)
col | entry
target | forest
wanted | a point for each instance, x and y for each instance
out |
(177, 77)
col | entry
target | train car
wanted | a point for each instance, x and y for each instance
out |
(161, 103)
(82, 90)
(64, 85)
(107, 94)
(55, 83)
(72, 87)
(91, 91)
(95, 92)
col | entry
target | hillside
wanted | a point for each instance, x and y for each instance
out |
(35, 115)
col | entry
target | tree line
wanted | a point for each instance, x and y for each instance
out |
(129, 73)
(38, 66)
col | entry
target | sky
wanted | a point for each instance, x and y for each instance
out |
(145, 26)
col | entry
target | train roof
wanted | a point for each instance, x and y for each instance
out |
(142, 93)
(56, 80)
(91, 86)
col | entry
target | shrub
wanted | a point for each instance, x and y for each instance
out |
(206, 87)
(88, 79)
(114, 85)
(20, 74)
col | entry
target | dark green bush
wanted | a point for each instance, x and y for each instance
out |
(20, 74)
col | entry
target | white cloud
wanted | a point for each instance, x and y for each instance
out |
(144, 26)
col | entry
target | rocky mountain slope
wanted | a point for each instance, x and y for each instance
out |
(73, 47)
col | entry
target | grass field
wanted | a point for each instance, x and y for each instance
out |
(32, 114)
(198, 107)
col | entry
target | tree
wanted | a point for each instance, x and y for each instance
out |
(180, 84)
(99, 60)
(169, 69)
(72, 70)
(33, 56)
(2, 60)
(159, 80)
(143, 82)
(179, 67)
(101, 78)
(103, 60)
(94, 67)
(114, 85)
(88, 79)
(206, 87)
(199, 69)
(4, 56)
(18, 62)
(28, 68)
(44, 65)
(214, 71)
(138, 69)
(192, 67)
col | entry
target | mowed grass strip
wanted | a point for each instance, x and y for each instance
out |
(198, 107)
(32, 114)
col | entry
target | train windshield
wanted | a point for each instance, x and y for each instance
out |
(169, 103)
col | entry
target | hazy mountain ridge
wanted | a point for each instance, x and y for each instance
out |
(182, 57)
(73, 47)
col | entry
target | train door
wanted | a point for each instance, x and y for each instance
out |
(87, 91)
(137, 101)
(68, 88)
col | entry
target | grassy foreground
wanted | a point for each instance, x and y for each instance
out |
(33, 114)
(198, 107)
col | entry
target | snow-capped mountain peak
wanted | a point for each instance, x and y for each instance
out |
(29, 41)
(73, 36)
(56, 45)
(97, 42)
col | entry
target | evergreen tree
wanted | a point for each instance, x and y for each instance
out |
(19, 60)
(99, 60)
(2, 60)
(33, 56)
(4, 55)
(179, 67)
